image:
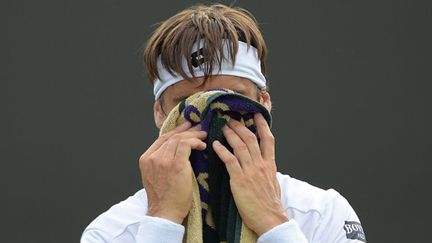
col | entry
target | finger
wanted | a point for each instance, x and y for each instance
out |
(198, 135)
(230, 161)
(267, 143)
(190, 134)
(168, 149)
(163, 138)
(185, 146)
(247, 137)
(183, 128)
(181, 133)
(241, 150)
(196, 127)
(195, 143)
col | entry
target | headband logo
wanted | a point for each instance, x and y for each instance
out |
(197, 58)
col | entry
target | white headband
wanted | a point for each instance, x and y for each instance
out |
(247, 65)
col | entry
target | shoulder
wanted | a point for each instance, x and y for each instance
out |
(121, 220)
(318, 212)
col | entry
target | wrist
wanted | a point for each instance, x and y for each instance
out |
(270, 222)
(170, 217)
(165, 214)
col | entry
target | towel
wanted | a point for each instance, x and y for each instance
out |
(213, 217)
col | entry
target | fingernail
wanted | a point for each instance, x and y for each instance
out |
(196, 128)
(216, 143)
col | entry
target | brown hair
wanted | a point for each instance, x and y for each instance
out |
(175, 37)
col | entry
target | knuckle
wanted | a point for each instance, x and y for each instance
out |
(141, 164)
(250, 137)
(144, 162)
(269, 137)
(261, 167)
(142, 158)
(231, 160)
(242, 147)
(151, 159)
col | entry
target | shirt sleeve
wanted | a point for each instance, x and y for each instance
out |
(95, 236)
(339, 223)
(150, 230)
(158, 230)
(288, 232)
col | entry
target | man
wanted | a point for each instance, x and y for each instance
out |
(201, 48)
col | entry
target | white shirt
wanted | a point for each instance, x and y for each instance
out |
(315, 215)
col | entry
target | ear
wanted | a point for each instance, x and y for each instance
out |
(159, 115)
(265, 100)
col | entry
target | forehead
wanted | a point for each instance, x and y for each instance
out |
(188, 87)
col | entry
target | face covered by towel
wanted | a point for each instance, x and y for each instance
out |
(214, 216)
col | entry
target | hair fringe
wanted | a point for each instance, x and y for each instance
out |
(174, 38)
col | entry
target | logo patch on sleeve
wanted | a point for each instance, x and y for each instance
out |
(354, 231)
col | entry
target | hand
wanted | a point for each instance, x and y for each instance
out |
(167, 174)
(252, 171)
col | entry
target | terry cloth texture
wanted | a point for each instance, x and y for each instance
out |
(214, 216)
